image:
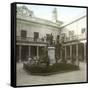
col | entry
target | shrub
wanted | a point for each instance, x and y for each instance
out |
(50, 69)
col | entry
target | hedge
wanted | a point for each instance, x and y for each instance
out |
(58, 67)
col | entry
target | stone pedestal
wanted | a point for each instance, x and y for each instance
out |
(51, 54)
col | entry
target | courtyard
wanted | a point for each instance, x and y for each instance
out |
(24, 78)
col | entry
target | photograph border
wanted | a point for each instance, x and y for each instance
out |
(13, 43)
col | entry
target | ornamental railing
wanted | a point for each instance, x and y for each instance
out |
(30, 39)
(72, 38)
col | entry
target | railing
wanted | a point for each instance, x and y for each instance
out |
(42, 40)
(76, 37)
(30, 39)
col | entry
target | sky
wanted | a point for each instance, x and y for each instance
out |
(64, 14)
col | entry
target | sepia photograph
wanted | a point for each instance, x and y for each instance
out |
(51, 44)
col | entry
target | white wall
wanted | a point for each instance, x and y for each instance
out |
(34, 27)
(76, 26)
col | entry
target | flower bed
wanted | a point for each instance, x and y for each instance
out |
(48, 70)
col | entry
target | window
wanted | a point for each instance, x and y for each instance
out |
(57, 36)
(36, 35)
(63, 35)
(83, 30)
(23, 33)
(71, 33)
(47, 37)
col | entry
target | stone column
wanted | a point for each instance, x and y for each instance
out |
(84, 51)
(20, 47)
(29, 51)
(77, 60)
(71, 52)
(37, 51)
(65, 52)
(61, 54)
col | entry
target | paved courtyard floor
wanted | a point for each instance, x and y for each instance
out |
(23, 78)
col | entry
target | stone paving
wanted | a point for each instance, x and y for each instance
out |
(23, 78)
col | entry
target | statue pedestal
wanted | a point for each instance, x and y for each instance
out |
(51, 54)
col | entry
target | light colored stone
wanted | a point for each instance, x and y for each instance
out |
(51, 54)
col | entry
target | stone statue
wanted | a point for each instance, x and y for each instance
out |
(51, 39)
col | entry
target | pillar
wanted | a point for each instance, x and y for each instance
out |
(71, 52)
(20, 47)
(77, 60)
(37, 51)
(84, 51)
(65, 52)
(29, 51)
(61, 54)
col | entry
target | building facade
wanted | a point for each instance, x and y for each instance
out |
(74, 35)
(33, 35)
